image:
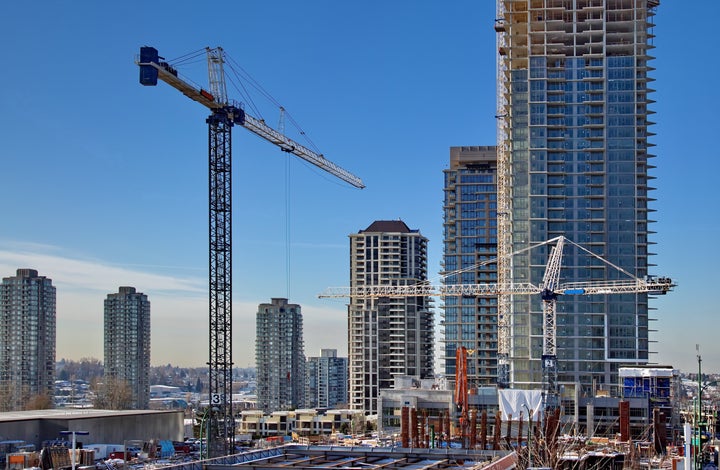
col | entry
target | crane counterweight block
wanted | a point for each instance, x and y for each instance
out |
(148, 73)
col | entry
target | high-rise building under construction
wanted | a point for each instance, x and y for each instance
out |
(574, 159)
(27, 341)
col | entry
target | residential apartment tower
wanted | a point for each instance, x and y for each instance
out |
(469, 257)
(27, 341)
(326, 384)
(127, 344)
(280, 356)
(387, 337)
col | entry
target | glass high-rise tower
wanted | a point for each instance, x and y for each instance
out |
(575, 118)
(326, 380)
(470, 248)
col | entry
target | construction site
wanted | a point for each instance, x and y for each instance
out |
(547, 412)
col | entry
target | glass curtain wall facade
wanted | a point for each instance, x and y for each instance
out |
(127, 343)
(280, 356)
(470, 247)
(574, 92)
(387, 337)
(326, 383)
(27, 340)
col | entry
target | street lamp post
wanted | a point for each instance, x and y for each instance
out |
(74, 441)
(698, 451)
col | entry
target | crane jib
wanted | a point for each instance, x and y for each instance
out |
(154, 68)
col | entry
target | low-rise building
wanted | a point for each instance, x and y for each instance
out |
(304, 422)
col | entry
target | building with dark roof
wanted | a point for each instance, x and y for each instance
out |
(387, 337)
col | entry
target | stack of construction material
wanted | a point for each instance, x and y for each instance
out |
(20, 460)
(84, 457)
(59, 456)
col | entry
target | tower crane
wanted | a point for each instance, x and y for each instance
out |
(549, 289)
(224, 114)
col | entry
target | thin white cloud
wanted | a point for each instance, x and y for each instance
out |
(75, 273)
(179, 308)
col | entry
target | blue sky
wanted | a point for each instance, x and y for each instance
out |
(104, 182)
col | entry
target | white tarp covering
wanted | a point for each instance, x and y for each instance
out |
(514, 403)
(645, 372)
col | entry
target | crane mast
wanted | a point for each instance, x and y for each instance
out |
(220, 363)
(220, 422)
(504, 205)
(550, 285)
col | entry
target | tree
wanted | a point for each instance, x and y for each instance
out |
(7, 396)
(39, 402)
(112, 394)
(87, 369)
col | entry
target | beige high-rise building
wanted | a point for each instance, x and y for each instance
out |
(387, 337)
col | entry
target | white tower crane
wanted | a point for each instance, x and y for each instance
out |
(549, 289)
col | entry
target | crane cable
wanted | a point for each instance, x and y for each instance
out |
(241, 74)
(281, 128)
(237, 77)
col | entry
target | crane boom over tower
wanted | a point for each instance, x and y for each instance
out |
(653, 286)
(224, 115)
(549, 289)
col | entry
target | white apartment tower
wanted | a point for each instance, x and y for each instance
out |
(127, 343)
(27, 340)
(280, 356)
(387, 337)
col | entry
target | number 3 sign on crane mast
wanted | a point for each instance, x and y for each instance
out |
(224, 114)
